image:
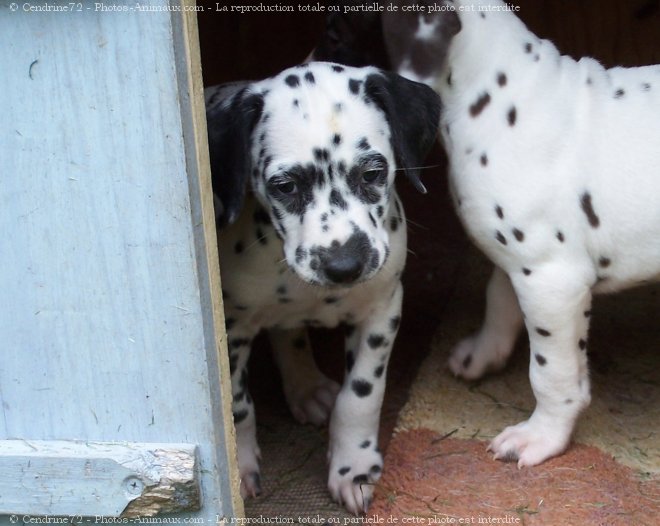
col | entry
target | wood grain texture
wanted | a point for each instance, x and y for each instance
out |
(109, 328)
(81, 479)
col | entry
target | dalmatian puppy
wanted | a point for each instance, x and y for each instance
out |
(319, 239)
(555, 172)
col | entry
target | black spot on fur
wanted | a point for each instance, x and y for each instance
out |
(526, 271)
(281, 290)
(540, 359)
(309, 77)
(379, 371)
(344, 470)
(365, 444)
(350, 361)
(354, 86)
(467, 361)
(528, 47)
(479, 104)
(543, 332)
(483, 159)
(499, 211)
(239, 416)
(292, 80)
(619, 93)
(646, 86)
(261, 237)
(568, 401)
(361, 387)
(519, 235)
(500, 237)
(395, 321)
(336, 139)
(321, 154)
(511, 116)
(449, 79)
(394, 224)
(604, 262)
(336, 199)
(330, 300)
(501, 79)
(363, 144)
(301, 254)
(375, 340)
(560, 236)
(588, 209)
(380, 211)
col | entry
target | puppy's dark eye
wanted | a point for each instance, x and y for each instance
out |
(286, 187)
(371, 176)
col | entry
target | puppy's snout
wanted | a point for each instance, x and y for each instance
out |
(344, 264)
(343, 268)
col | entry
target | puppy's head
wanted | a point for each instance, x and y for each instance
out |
(320, 145)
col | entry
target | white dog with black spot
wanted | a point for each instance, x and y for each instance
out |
(555, 172)
(320, 240)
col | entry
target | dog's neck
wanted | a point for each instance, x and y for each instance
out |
(491, 35)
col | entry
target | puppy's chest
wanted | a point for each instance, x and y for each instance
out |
(278, 298)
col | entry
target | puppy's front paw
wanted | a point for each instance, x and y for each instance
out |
(353, 474)
(529, 443)
(312, 401)
(473, 357)
(248, 465)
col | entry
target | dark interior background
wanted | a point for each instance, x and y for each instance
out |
(254, 46)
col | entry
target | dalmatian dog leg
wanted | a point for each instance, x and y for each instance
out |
(309, 393)
(354, 458)
(239, 341)
(556, 305)
(489, 348)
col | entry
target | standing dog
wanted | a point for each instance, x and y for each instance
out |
(555, 172)
(319, 241)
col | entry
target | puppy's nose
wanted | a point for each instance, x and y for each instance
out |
(342, 267)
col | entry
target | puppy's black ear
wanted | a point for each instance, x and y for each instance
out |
(413, 113)
(232, 113)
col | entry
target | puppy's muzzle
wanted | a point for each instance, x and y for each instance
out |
(344, 264)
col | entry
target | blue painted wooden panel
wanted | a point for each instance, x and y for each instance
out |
(101, 314)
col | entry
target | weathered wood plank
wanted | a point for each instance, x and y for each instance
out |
(111, 321)
(69, 478)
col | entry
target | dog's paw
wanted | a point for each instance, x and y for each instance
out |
(529, 443)
(353, 474)
(473, 357)
(312, 401)
(248, 465)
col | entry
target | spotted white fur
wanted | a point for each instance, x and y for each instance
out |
(319, 241)
(555, 172)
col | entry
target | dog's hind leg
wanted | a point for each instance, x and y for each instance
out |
(309, 393)
(489, 349)
(556, 301)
